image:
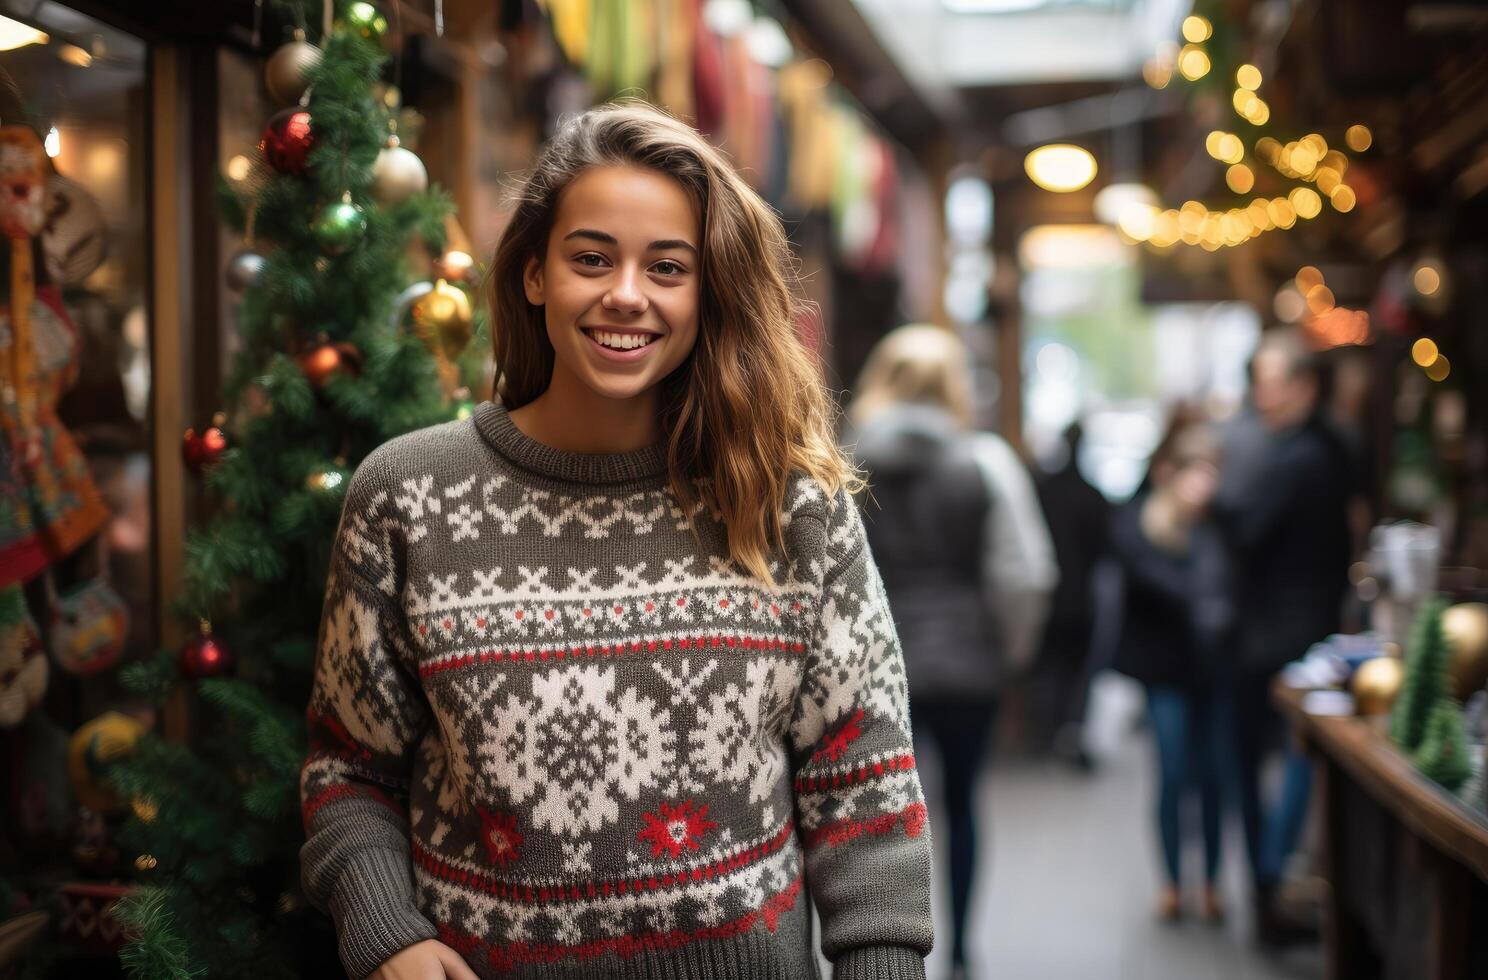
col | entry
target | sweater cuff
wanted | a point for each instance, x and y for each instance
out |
(879, 963)
(372, 905)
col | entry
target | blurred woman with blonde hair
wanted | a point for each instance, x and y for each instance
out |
(965, 555)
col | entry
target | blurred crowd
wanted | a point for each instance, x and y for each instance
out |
(1228, 562)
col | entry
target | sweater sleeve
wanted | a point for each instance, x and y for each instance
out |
(365, 717)
(858, 799)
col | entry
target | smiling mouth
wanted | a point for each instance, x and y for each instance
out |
(620, 341)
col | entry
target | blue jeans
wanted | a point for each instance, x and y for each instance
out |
(1271, 832)
(1188, 728)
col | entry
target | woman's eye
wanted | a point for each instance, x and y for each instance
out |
(590, 259)
(668, 268)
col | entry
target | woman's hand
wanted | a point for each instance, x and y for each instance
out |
(427, 960)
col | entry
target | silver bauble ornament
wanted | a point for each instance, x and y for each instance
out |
(245, 269)
(397, 175)
(288, 70)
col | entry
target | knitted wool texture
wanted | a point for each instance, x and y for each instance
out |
(561, 732)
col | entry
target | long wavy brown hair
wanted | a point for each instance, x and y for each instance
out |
(747, 409)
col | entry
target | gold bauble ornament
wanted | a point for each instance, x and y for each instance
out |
(1465, 626)
(1376, 683)
(445, 320)
(106, 737)
(287, 73)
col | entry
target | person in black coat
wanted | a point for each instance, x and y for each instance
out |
(1286, 520)
(1176, 631)
(1079, 522)
(955, 527)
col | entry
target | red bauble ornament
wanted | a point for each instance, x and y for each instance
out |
(287, 141)
(206, 449)
(325, 359)
(205, 656)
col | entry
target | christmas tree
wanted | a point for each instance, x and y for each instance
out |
(325, 372)
(1425, 676)
(1443, 753)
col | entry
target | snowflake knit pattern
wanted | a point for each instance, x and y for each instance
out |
(556, 728)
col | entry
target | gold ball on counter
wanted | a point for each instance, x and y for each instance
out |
(445, 319)
(1465, 626)
(1376, 683)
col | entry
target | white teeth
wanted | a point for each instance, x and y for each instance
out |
(621, 341)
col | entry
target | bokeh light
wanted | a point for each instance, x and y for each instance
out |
(1424, 352)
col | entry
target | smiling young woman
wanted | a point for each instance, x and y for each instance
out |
(607, 681)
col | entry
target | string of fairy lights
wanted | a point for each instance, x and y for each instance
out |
(1319, 167)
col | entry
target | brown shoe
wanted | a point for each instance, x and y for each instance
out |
(1169, 905)
(1211, 906)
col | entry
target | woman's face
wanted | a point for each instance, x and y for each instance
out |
(620, 280)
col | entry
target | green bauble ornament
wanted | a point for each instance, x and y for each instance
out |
(365, 20)
(339, 227)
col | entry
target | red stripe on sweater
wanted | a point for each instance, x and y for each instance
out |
(617, 649)
(843, 831)
(507, 957)
(865, 772)
(342, 791)
(583, 890)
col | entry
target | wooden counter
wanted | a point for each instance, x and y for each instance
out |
(1406, 861)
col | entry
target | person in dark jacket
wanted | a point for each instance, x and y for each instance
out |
(1286, 520)
(1079, 520)
(955, 527)
(1177, 623)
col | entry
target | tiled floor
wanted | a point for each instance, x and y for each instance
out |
(1070, 877)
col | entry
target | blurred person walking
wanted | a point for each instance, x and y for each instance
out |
(1176, 636)
(1285, 516)
(1079, 520)
(954, 524)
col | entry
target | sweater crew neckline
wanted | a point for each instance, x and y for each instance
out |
(495, 425)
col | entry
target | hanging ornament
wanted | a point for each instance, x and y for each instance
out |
(89, 750)
(205, 656)
(445, 320)
(200, 451)
(244, 270)
(287, 141)
(325, 359)
(365, 20)
(456, 266)
(397, 174)
(339, 226)
(287, 74)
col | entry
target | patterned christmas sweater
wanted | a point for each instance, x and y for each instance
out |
(554, 727)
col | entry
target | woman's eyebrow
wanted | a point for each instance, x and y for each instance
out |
(605, 238)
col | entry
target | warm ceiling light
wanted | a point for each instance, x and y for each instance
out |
(74, 55)
(14, 34)
(1248, 77)
(238, 168)
(1240, 179)
(1424, 352)
(1358, 138)
(1231, 150)
(1060, 167)
(1193, 63)
(1343, 198)
(1320, 300)
(1307, 277)
(1196, 29)
(1439, 368)
(1306, 202)
(1260, 113)
(1303, 159)
(1426, 279)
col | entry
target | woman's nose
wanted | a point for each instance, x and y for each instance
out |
(625, 294)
